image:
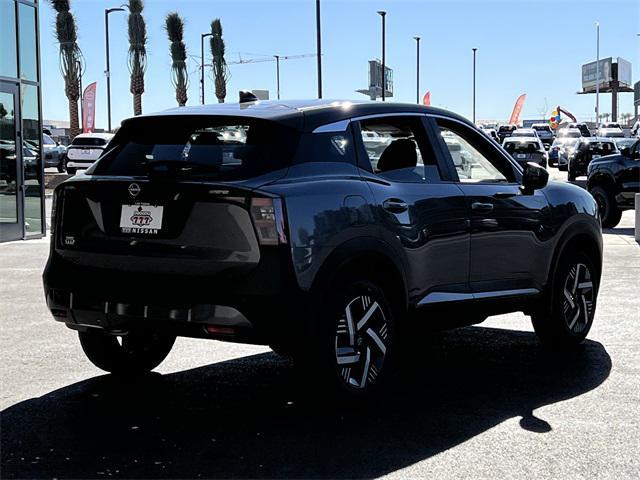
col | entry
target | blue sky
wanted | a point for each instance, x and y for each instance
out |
(533, 47)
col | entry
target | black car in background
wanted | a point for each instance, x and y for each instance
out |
(526, 149)
(584, 129)
(276, 223)
(614, 181)
(584, 151)
(505, 131)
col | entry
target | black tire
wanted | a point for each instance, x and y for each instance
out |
(71, 170)
(610, 213)
(571, 174)
(61, 164)
(134, 353)
(353, 341)
(566, 314)
(562, 168)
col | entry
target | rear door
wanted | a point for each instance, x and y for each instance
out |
(422, 213)
(507, 227)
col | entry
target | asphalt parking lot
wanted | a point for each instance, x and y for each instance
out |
(477, 402)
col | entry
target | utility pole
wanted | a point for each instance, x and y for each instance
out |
(318, 49)
(383, 14)
(277, 57)
(597, 77)
(107, 72)
(417, 39)
(474, 84)
(202, 37)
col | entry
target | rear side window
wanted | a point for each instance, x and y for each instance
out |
(326, 147)
(220, 148)
(89, 142)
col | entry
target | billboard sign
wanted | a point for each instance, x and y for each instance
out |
(624, 72)
(589, 74)
(375, 77)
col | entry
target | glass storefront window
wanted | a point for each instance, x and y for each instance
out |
(8, 58)
(32, 163)
(8, 163)
(28, 51)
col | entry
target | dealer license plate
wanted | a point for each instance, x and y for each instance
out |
(141, 218)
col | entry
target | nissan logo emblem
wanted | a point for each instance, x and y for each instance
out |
(134, 189)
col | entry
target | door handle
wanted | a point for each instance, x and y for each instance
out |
(482, 207)
(395, 205)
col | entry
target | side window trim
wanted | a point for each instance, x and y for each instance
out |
(443, 157)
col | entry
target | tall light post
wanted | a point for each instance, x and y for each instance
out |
(107, 72)
(417, 39)
(202, 37)
(474, 84)
(277, 57)
(597, 76)
(318, 49)
(383, 14)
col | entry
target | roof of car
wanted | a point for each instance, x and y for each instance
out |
(304, 114)
(106, 136)
(521, 139)
(598, 139)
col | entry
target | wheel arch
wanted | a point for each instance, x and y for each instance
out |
(370, 258)
(603, 179)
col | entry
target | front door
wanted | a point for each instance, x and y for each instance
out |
(508, 251)
(11, 224)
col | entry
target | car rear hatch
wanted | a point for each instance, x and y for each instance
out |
(181, 200)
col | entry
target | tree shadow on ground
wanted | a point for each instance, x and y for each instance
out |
(245, 418)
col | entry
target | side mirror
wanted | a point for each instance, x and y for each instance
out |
(534, 177)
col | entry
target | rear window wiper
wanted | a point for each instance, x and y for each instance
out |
(163, 167)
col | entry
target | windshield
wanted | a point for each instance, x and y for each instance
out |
(224, 148)
(542, 129)
(47, 140)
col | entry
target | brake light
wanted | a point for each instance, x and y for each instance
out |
(268, 219)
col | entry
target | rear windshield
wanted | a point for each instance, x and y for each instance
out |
(222, 148)
(572, 134)
(542, 128)
(599, 148)
(506, 128)
(89, 141)
(521, 147)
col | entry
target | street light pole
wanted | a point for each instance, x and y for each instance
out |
(383, 14)
(107, 72)
(318, 49)
(597, 77)
(474, 84)
(277, 57)
(417, 39)
(202, 37)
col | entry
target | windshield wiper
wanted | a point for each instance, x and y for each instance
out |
(165, 167)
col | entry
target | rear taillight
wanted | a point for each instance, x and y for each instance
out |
(268, 219)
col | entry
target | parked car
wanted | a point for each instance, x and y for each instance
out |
(544, 133)
(505, 131)
(526, 149)
(85, 149)
(584, 129)
(614, 181)
(560, 151)
(612, 132)
(491, 133)
(524, 132)
(585, 150)
(297, 236)
(54, 153)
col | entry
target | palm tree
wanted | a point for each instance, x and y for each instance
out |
(179, 75)
(137, 53)
(71, 61)
(220, 71)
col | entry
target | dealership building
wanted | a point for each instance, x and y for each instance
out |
(21, 172)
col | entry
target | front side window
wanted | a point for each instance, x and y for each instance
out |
(397, 149)
(474, 159)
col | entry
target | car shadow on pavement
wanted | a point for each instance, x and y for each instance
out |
(244, 417)
(620, 231)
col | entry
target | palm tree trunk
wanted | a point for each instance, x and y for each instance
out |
(74, 119)
(137, 104)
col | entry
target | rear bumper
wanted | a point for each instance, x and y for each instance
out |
(257, 306)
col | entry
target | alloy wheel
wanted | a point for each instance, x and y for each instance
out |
(361, 342)
(578, 297)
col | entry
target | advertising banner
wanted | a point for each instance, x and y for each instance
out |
(517, 108)
(89, 109)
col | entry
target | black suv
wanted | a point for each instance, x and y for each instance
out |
(584, 151)
(275, 223)
(614, 181)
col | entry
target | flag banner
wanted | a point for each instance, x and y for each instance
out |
(426, 100)
(89, 109)
(517, 108)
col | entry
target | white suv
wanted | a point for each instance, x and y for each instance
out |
(85, 149)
